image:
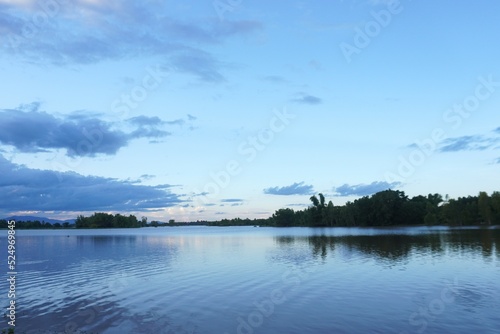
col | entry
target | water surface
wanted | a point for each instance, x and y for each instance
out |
(257, 280)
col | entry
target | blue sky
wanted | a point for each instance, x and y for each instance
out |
(194, 110)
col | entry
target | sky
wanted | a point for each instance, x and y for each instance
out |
(203, 110)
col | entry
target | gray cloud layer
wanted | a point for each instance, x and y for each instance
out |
(25, 189)
(114, 30)
(30, 130)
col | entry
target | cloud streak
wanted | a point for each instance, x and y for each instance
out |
(303, 98)
(298, 188)
(470, 143)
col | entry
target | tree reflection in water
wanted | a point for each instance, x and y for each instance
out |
(398, 247)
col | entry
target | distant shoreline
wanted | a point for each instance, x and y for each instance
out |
(274, 227)
(388, 208)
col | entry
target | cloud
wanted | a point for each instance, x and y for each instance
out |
(164, 186)
(179, 121)
(204, 193)
(145, 120)
(471, 143)
(30, 130)
(84, 32)
(477, 142)
(25, 189)
(189, 120)
(294, 189)
(364, 189)
(199, 63)
(231, 200)
(307, 99)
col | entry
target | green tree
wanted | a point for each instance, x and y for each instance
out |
(485, 209)
(120, 221)
(101, 220)
(330, 214)
(435, 199)
(317, 211)
(495, 207)
(284, 217)
(81, 222)
(451, 212)
(321, 200)
(314, 200)
(414, 210)
(430, 219)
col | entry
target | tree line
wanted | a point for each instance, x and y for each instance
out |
(385, 208)
(96, 220)
(106, 220)
(35, 225)
(393, 207)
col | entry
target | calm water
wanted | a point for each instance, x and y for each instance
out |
(257, 280)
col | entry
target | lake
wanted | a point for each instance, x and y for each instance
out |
(256, 280)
